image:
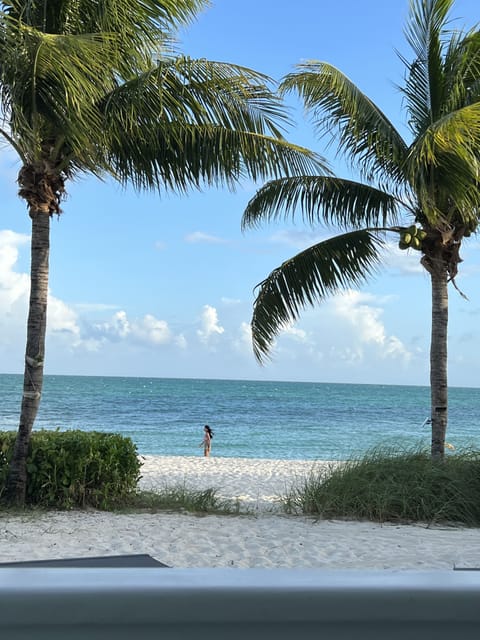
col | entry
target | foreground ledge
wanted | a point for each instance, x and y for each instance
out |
(234, 604)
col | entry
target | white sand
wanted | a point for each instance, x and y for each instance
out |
(265, 538)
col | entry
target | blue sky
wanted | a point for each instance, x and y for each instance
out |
(144, 285)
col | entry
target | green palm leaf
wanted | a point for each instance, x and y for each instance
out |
(425, 87)
(179, 157)
(343, 261)
(322, 199)
(364, 131)
(188, 122)
(443, 165)
(201, 92)
(54, 90)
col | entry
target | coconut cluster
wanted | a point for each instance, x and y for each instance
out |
(412, 238)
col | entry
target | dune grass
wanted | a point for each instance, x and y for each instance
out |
(388, 485)
(179, 498)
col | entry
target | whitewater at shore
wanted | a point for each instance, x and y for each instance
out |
(264, 538)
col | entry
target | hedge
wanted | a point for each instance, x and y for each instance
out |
(67, 469)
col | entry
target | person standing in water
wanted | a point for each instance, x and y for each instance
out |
(207, 440)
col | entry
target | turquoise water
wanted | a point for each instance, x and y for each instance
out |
(251, 419)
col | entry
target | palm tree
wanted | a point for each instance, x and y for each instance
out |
(94, 88)
(426, 192)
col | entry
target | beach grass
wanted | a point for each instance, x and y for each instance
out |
(178, 498)
(387, 485)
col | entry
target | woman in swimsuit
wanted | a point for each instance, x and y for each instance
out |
(207, 440)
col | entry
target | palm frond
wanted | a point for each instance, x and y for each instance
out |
(142, 20)
(425, 86)
(193, 122)
(366, 135)
(201, 92)
(322, 200)
(343, 261)
(462, 70)
(51, 84)
(177, 157)
(447, 150)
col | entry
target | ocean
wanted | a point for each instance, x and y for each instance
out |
(251, 419)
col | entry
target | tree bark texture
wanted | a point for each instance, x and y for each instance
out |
(438, 360)
(15, 491)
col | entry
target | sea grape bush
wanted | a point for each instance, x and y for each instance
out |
(71, 469)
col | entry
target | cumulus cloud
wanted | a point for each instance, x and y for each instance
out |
(14, 286)
(199, 236)
(62, 323)
(297, 334)
(209, 324)
(152, 330)
(62, 319)
(68, 326)
(360, 311)
(243, 341)
(147, 330)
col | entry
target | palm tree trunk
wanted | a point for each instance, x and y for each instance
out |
(16, 486)
(438, 361)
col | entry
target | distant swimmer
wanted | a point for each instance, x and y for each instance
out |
(207, 440)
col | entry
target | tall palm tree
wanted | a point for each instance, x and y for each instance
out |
(425, 191)
(93, 87)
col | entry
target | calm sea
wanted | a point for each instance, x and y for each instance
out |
(251, 419)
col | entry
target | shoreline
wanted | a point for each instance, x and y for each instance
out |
(263, 538)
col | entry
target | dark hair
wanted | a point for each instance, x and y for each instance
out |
(210, 432)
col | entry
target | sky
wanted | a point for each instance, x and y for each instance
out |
(163, 286)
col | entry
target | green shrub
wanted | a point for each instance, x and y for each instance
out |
(67, 469)
(391, 486)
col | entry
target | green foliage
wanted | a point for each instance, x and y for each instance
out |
(388, 486)
(179, 498)
(67, 469)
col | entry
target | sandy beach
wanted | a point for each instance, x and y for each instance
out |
(263, 538)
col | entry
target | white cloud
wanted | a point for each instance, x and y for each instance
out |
(209, 324)
(358, 310)
(152, 330)
(181, 341)
(67, 326)
(147, 330)
(297, 334)
(200, 236)
(243, 343)
(62, 318)
(14, 286)
(117, 327)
